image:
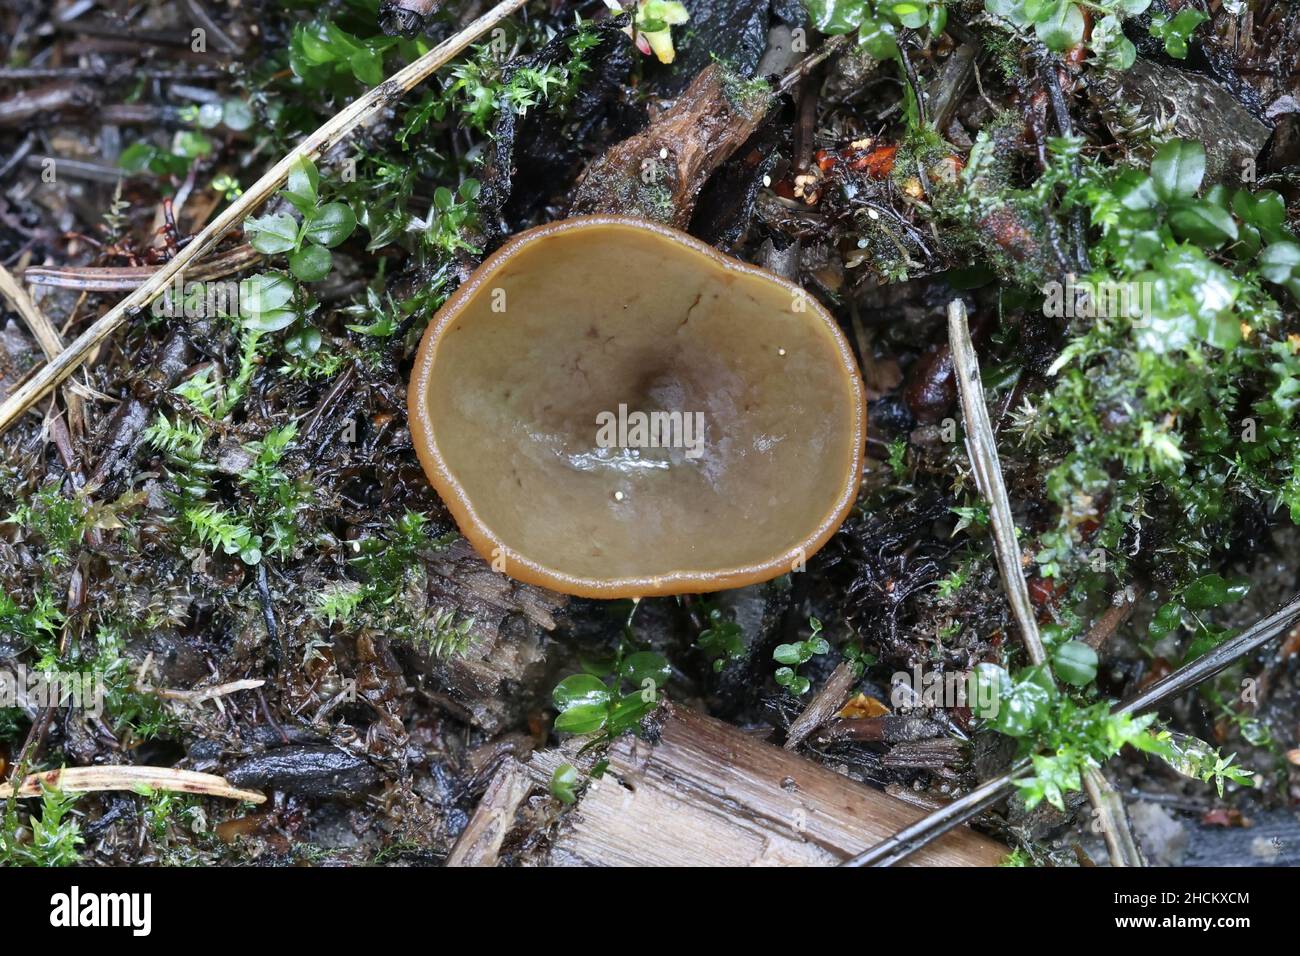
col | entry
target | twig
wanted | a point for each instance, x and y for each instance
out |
(88, 779)
(1113, 819)
(332, 132)
(982, 447)
(126, 278)
(924, 831)
(47, 336)
(1108, 623)
(480, 842)
(805, 66)
(821, 707)
(201, 694)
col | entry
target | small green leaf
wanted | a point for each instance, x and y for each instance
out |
(646, 665)
(1203, 223)
(1063, 30)
(1040, 11)
(910, 14)
(788, 654)
(1280, 262)
(1075, 663)
(879, 38)
(1213, 590)
(303, 342)
(992, 684)
(1166, 620)
(367, 66)
(332, 223)
(272, 321)
(580, 690)
(311, 263)
(1178, 169)
(265, 292)
(1027, 705)
(582, 719)
(270, 235)
(836, 16)
(304, 177)
(629, 710)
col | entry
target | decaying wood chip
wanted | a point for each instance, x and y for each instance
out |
(480, 843)
(489, 683)
(704, 793)
(822, 707)
(658, 173)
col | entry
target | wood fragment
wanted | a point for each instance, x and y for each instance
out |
(658, 173)
(88, 779)
(46, 335)
(705, 793)
(822, 707)
(1112, 818)
(982, 449)
(1121, 607)
(480, 843)
(494, 680)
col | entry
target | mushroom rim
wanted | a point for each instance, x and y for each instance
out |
(491, 548)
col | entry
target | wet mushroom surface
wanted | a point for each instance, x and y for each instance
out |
(613, 409)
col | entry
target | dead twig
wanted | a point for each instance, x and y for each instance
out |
(88, 779)
(822, 707)
(332, 132)
(982, 447)
(46, 335)
(480, 843)
(1109, 621)
(1112, 818)
(805, 66)
(126, 278)
(200, 694)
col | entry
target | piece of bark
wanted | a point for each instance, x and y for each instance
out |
(492, 682)
(658, 173)
(480, 843)
(707, 794)
(823, 707)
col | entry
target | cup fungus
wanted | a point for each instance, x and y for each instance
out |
(611, 408)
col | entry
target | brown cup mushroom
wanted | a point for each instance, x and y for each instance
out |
(611, 408)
